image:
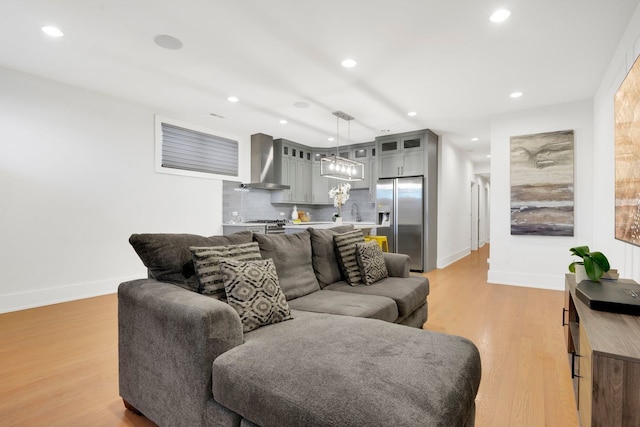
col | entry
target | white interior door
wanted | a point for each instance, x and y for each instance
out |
(474, 216)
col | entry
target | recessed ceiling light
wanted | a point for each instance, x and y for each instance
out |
(500, 15)
(349, 63)
(52, 31)
(474, 139)
(302, 104)
(283, 122)
(516, 95)
(412, 114)
(331, 138)
(168, 42)
(232, 99)
(488, 156)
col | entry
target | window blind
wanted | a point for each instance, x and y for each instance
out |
(191, 150)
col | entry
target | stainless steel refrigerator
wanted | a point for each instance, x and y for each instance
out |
(400, 203)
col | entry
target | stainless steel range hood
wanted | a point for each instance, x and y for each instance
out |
(263, 174)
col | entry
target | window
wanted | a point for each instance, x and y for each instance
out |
(187, 150)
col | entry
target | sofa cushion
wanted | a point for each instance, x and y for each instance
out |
(253, 290)
(346, 249)
(345, 304)
(325, 370)
(409, 293)
(168, 258)
(207, 264)
(325, 263)
(291, 254)
(371, 262)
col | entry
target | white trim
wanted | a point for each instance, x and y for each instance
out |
(170, 171)
(450, 259)
(539, 281)
(38, 298)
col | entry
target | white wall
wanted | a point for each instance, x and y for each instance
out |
(539, 261)
(542, 261)
(623, 256)
(455, 174)
(76, 180)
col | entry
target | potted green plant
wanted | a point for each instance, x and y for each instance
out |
(595, 263)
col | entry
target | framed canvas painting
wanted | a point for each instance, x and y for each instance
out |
(627, 157)
(542, 195)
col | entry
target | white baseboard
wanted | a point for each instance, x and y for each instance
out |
(540, 281)
(450, 259)
(39, 297)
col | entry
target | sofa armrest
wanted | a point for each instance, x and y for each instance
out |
(397, 264)
(168, 338)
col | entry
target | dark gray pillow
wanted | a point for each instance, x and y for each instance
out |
(371, 262)
(168, 258)
(324, 260)
(207, 264)
(291, 253)
(346, 248)
(254, 292)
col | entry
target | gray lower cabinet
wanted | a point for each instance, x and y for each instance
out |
(235, 228)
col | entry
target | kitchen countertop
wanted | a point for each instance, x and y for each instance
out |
(247, 224)
(329, 224)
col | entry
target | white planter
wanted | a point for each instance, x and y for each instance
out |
(338, 220)
(581, 273)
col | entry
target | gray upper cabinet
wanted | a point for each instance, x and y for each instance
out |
(320, 185)
(401, 155)
(292, 163)
(365, 154)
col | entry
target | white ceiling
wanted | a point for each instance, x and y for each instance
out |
(443, 59)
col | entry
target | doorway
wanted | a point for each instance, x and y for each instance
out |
(474, 209)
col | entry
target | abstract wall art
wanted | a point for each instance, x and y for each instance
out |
(627, 157)
(542, 194)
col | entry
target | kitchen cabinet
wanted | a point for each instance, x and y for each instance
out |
(302, 186)
(320, 185)
(365, 154)
(292, 165)
(401, 155)
(236, 228)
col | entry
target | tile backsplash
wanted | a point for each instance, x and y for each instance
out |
(253, 204)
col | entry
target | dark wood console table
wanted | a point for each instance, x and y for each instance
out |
(604, 352)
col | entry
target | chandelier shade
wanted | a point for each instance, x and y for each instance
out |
(339, 167)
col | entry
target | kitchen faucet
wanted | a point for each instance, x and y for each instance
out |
(354, 207)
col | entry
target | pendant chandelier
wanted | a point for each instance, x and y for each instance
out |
(338, 167)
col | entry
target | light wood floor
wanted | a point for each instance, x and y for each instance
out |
(59, 364)
(525, 369)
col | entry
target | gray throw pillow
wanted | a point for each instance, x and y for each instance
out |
(207, 264)
(253, 290)
(325, 263)
(291, 253)
(168, 258)
(371, 262)
(346, 248)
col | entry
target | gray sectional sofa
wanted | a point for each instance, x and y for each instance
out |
(346, 358)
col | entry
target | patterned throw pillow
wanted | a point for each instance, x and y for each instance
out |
(346, 248)
(207, 264)
(253, 290)
(371, 262)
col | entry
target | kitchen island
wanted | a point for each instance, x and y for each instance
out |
(366, 227)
